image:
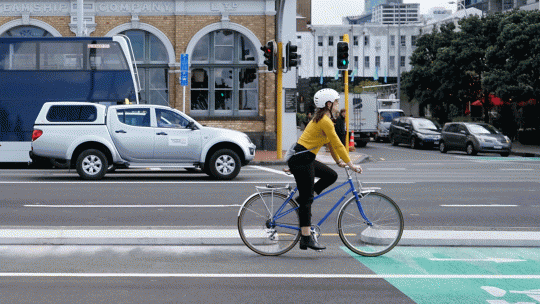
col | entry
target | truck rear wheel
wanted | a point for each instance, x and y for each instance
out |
(92, 164)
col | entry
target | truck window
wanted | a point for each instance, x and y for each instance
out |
(72, 113)
(170, 119)
(134, 117)
(389, 116)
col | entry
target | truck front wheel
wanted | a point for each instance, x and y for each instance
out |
(224, 164)
(92, 164)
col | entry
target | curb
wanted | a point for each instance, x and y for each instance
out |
(156, 237)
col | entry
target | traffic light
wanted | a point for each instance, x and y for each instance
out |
(249, 75)
(269, 51)
(342, 55)
(291, 56)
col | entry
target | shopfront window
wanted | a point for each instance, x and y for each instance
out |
(224, 78)
(152, 61)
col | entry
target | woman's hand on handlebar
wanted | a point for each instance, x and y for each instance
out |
(354, 167)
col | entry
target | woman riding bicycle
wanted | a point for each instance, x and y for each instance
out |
(319, 131)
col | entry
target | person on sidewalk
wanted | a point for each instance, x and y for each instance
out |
(319, 131)
(341, 129)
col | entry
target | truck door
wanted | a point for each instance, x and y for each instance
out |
(175, 140)
(131, 133)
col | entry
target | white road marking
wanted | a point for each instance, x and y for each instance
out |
(272, 170)
(516, 169)
(496, 260)
(385, 169)
(492, 205)
(132, 206)
(136, 182)
(272, 275)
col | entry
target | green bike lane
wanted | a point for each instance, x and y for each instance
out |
(461, 274)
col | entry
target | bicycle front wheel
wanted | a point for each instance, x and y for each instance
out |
(380, 234)
(266, 232)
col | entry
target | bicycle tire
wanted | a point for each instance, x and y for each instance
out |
(256, 230)
(364, 239)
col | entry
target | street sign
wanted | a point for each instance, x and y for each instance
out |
(184, 62)
(184, 78)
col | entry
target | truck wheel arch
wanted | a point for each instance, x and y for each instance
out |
(91, 145)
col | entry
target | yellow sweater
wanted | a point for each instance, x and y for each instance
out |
(320, 133)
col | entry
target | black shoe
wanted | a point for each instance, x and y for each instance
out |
(311, 242)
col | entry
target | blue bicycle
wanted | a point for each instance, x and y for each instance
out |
(369, 223)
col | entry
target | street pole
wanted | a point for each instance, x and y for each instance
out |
(399, 57)
(279, 101)
(346, 92)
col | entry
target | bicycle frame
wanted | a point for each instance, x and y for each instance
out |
(352, 189)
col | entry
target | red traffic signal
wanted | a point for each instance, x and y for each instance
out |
(269, 51)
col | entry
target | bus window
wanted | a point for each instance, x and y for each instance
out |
(106, 56)
(56, 55)
(22, 56)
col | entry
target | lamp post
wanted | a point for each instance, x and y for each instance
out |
(459, 4)
(398, 59)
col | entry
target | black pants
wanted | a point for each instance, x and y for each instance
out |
(305, 168)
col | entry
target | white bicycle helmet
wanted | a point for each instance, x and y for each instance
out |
(324, 95)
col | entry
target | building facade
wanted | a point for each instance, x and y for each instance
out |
(494, 6)
(375, 50)
(221, 38)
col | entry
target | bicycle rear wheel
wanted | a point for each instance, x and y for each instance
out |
(264, 234)
(370, 240)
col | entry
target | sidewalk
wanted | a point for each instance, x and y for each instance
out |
(358, 157)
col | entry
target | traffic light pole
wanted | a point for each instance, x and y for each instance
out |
(279, 103)
(346, 92)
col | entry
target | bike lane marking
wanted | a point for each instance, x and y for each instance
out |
(461, 275)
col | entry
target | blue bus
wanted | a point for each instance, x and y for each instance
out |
(37, 70)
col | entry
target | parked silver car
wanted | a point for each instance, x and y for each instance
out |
(473, 138)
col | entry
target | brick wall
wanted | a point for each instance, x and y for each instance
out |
(180, 30)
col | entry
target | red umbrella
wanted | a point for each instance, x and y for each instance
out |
(476, 103)
(496, 101)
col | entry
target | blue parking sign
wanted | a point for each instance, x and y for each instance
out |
(184, 62)
(183, 78)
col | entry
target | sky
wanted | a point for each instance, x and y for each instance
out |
(331, 11)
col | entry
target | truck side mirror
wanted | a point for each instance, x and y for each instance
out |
(191, 125)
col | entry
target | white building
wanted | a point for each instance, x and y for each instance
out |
(374, 49)
(429, 26)
(394, 13)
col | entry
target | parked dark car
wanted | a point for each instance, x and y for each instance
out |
(473, 138)
(416, 132)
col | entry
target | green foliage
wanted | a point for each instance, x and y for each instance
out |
(359, 88)
(498, 54)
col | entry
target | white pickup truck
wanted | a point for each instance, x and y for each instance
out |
(95, 138)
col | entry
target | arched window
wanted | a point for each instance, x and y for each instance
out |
(152, 61)
(224, 78)
(26, 31)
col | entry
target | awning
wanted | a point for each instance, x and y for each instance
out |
(496, 101)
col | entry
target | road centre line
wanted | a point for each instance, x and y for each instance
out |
(516, 169)
(132, 206)
(271, 275)
(491, 205)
